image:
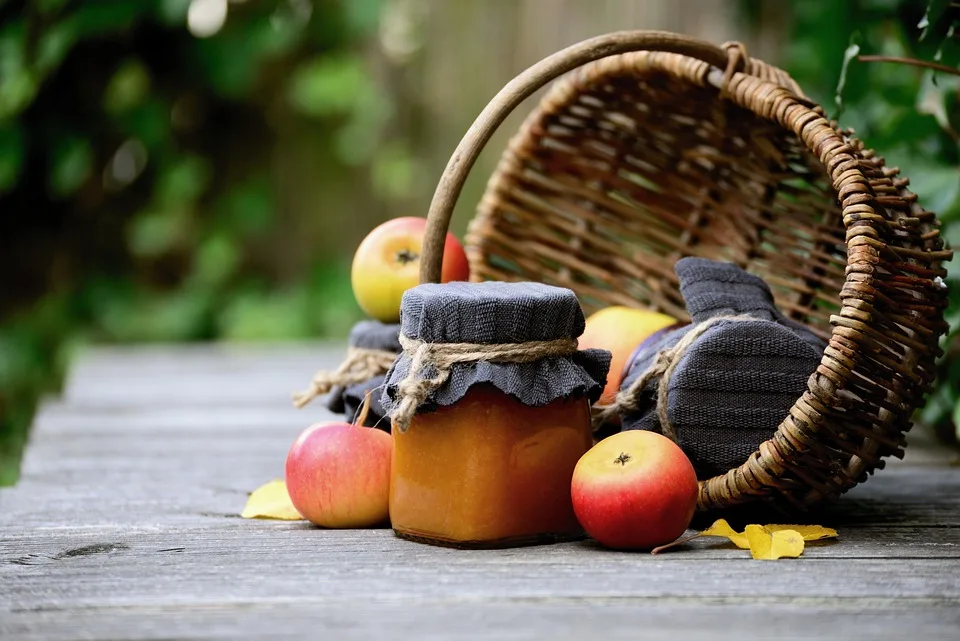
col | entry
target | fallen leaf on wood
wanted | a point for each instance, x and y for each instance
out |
(722, 528)
(743, 541)
(808, 532)
(271, 501)
(767, 545)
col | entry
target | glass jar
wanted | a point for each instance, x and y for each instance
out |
(490, 411)
(489, 471)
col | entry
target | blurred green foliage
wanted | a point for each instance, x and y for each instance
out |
(908, 114)
(139, 193)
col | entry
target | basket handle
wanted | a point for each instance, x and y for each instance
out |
(515, 92)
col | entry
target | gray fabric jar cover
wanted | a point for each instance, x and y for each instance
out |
(346, 400)
(499, 313)
(736, 382)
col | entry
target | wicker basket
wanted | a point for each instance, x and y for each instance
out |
(659, 146)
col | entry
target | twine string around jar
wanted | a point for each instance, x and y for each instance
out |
(662, 367)
(414, 389)
(361, 364)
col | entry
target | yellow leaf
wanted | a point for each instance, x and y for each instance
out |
(768, 545)
(808, 532)
(271, 501)
(722, 528)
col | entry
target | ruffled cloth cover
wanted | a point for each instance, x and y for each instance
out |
(495, 313)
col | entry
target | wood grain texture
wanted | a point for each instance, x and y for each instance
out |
(292, 563)
(174, 375)
(558, 619)
(125, 526)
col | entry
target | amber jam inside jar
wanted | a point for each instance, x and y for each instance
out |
(489, 471)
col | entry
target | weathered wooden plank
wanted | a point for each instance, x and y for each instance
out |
(534, 619)
(164, 375)
(262, 442)
(161, 568)
(49, 542)
(57, 420)
(120, 362)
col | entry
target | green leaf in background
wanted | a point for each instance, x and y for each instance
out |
(91, 19)
(363, 16)
(328, 86)
(152, 234)
(127, 88)
(339, 86)
(182, 181)
(11, 156)
(956, 413)
(852, 51)
(17, 83)
(148, 122)
(935, 10)
(34, 348)
(72, 166)
(174, 12)
(936, 185)
(247, 209)
(285, 28)
(54, 46)
(231, 60)
(17, 89)
(217, 260)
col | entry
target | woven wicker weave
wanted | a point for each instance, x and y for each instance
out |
(658, 146)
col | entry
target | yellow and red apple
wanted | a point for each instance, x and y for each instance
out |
(634, 490)
(387, 263)
(338, 475)
(619, 330)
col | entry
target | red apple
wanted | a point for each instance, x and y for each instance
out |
(634, 490)
(338, 475)
(387, 263)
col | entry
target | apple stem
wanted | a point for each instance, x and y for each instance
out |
(657, 550)
(405, 256)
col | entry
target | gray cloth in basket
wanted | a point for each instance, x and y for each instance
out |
(736, 383)
(494, 313)
(369, 334)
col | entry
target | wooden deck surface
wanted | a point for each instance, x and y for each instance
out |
(124, 526)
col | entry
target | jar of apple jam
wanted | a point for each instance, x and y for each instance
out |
(490, 412)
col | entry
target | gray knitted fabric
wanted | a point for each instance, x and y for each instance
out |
(371, 334)
(492, 313)
(736, 382)
(368, 334)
